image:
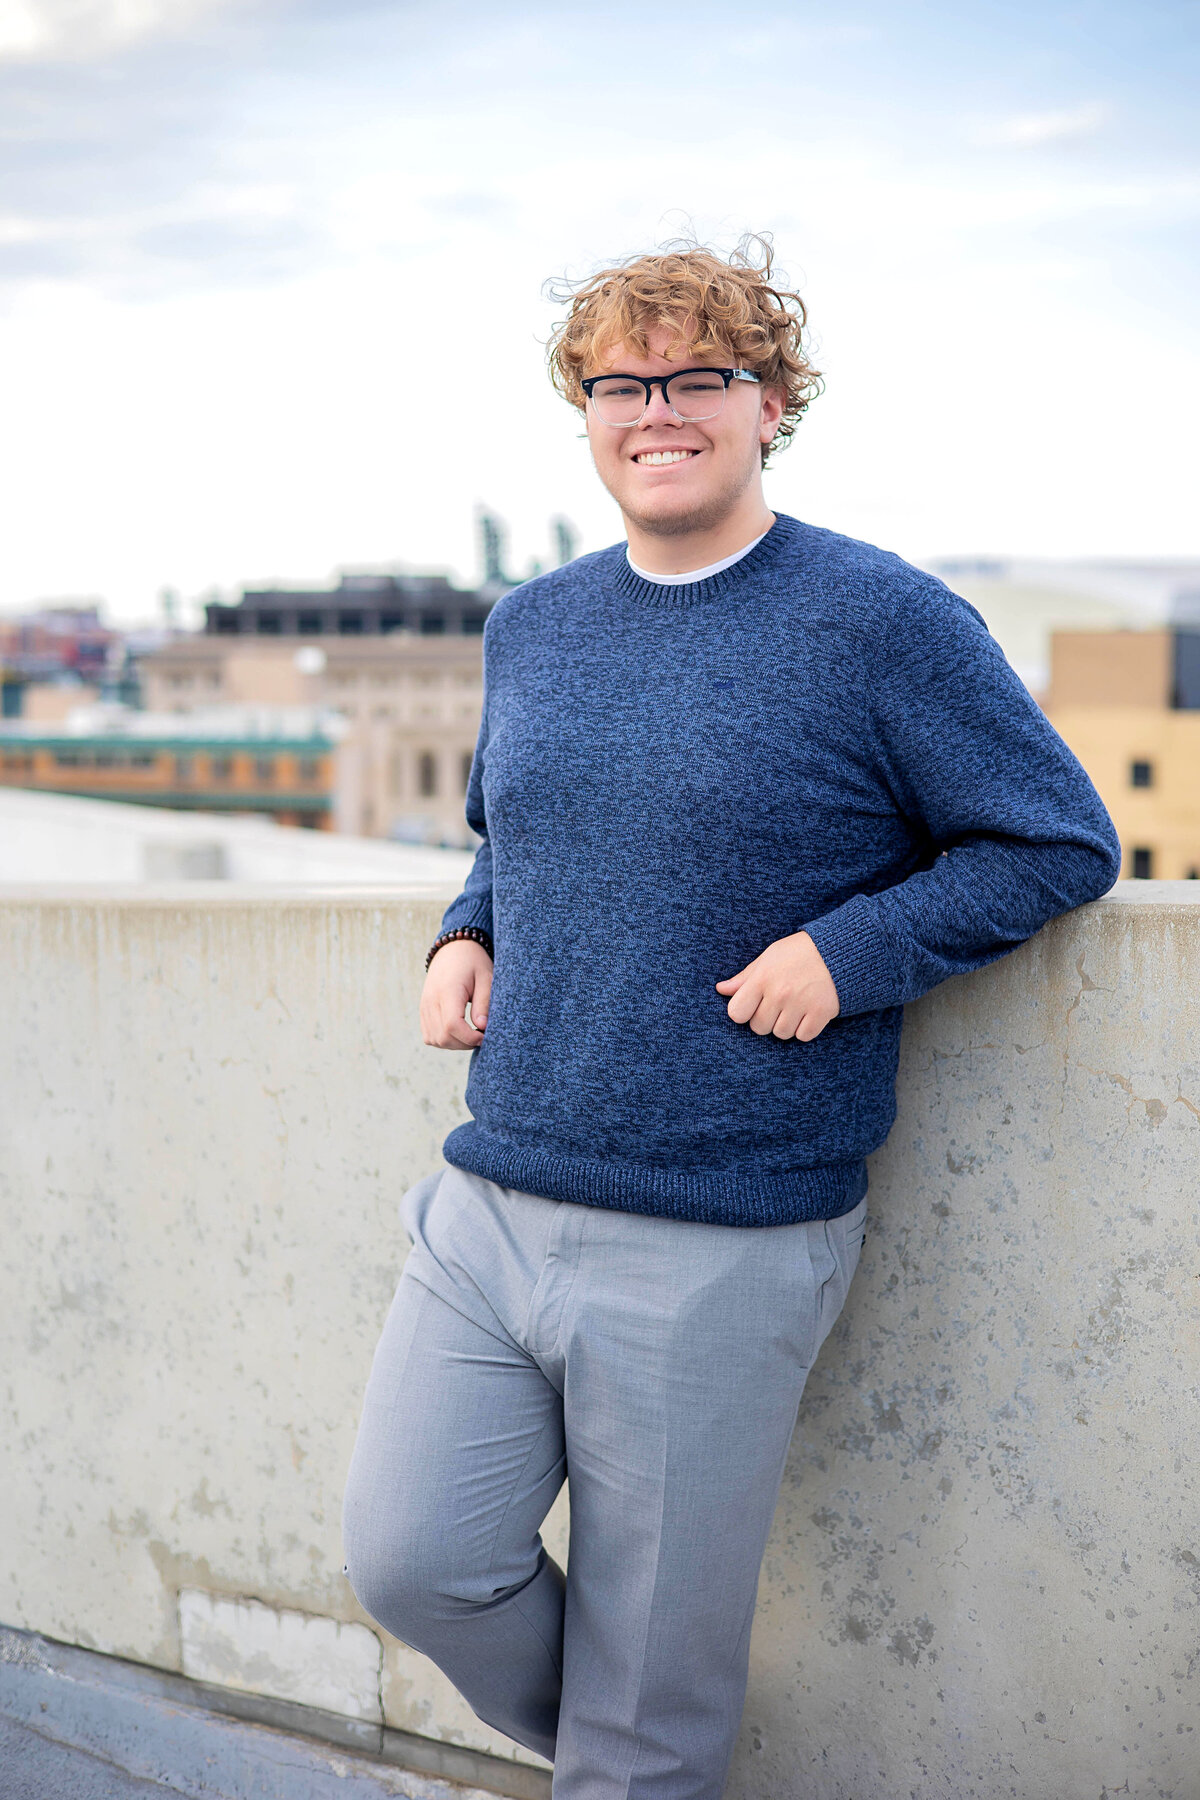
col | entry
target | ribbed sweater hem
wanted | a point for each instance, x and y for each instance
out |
(708, 1197)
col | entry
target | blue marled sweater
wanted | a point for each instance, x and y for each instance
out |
(668, 779)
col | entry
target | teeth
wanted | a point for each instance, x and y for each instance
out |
(656, 457)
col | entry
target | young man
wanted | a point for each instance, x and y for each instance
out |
(744, 788)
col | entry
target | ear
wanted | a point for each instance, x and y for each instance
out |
(771, 412)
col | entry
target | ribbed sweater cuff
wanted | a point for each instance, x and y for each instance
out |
(858, 953)
(468, 909)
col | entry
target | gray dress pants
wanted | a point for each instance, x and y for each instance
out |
(656, 1365)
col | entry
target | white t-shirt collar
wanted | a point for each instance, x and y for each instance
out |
(689, 575)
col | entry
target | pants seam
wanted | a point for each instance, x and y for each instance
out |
(516, 1482)
(548, 1648)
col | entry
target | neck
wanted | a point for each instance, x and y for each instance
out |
(661, 554)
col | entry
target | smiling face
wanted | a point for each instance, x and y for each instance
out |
(673, 478)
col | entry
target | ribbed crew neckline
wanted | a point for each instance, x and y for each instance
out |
(726, 581)
(703, 572)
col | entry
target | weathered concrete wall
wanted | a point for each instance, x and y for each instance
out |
(985, 1574)
(984, 1579)
(212, 1103)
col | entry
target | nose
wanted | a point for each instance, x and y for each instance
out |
(658, 412)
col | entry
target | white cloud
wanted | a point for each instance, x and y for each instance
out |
(1029, 131)
(73, 29)
(234, 307)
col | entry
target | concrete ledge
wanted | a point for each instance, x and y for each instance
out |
(56, 837)
(202, 1740)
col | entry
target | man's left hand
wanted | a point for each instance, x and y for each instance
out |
(787, 991)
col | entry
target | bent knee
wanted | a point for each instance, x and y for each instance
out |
(408, 1577)
(389, 1582)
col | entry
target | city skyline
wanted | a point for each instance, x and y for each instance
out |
(238, 239)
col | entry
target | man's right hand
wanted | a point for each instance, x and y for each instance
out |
(460, 974)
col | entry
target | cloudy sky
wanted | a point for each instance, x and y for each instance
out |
(271, 270)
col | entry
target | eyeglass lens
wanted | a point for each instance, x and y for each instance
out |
(692, 394)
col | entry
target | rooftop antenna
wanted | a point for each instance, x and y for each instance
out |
(566, 540)
(491, 547)
(492, 552)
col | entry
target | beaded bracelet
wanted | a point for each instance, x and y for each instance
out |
(475, 933)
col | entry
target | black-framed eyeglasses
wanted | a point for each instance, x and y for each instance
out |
(691, 394)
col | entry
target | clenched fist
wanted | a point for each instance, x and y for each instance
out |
(459, 975)
(787, 991)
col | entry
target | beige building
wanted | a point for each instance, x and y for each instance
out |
(1026, 599)
(49, 702)
(1128, 704)
(412, 702)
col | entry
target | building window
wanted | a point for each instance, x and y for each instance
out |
(308, 624)
(69, 759)
(183, 768)
(308, 768)
(143, 759)
(350, 624)
(465, 775)
(107, 759)
(432, 624)
(222, 768)
(264, 768)
(427, 773)
(1141, 774)
(269, 623)
(307, 821)
(1143, 865)
(473, 624)
(391, 621)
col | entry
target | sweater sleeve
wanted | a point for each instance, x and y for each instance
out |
(1008, 827)
(474, 905)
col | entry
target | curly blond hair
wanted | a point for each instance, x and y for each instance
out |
(714, 306)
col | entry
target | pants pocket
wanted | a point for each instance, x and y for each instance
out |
(414, 1203)
(844, 1241)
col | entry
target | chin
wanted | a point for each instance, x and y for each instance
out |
(677, 515)
(679, 508)
(680, 521)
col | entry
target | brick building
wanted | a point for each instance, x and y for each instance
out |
(275, 762)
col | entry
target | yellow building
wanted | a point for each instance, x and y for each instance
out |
(281, 763)
(1128, 704)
